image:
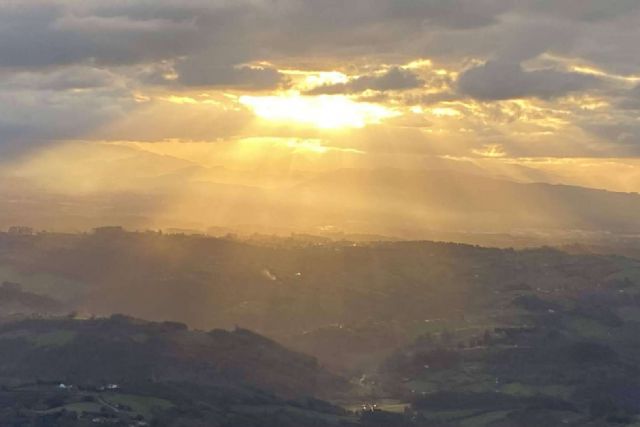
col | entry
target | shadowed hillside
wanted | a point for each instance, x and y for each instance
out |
(121, 371)
(421, 328)
(309, 294)
(123, 350)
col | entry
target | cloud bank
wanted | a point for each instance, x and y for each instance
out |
(73, 70)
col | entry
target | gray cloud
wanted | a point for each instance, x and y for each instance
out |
(33, 117)
(69, 78)
(41, 33)
(631, 100)
(619, 138)
(198, 74)
(107, 49)
(393, 79)
(505, 80)
(582, 10)
(192, 74)
(57, 32)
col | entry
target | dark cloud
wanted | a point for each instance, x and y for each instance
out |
(104, 50)
(505, 80)
(192, 75)
(619, 138)
(197, 74)
(69, 78)
(229, 33)
(33, 117)
(582, 10)
(631, 100)
(57, 32)
(393, 79)
(40, 34)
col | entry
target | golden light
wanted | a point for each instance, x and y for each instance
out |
(445, 112)
(312, 145)
(600, 73)
(307, 80)
(418, 63)
(324, 111)
(180, 100)
(325, 78)
(491, 150)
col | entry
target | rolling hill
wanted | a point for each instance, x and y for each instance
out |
(447, 334)
(401, 201)
(387, 202)
(123, 371)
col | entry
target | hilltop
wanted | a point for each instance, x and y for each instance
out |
(119, 370)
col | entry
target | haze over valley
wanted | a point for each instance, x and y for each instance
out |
(305, 213)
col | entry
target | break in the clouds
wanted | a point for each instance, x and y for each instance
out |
(393, 79)
(539, 78)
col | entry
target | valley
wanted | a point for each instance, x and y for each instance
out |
(423, 333)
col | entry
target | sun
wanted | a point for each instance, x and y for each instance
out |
(324, 111)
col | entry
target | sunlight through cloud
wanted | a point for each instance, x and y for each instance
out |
(325, 111)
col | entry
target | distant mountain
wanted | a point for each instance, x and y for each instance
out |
(388, 202)
(414, 201)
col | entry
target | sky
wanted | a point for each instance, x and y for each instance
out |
(530, 90)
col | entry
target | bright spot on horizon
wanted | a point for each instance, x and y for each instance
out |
(324, 111)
